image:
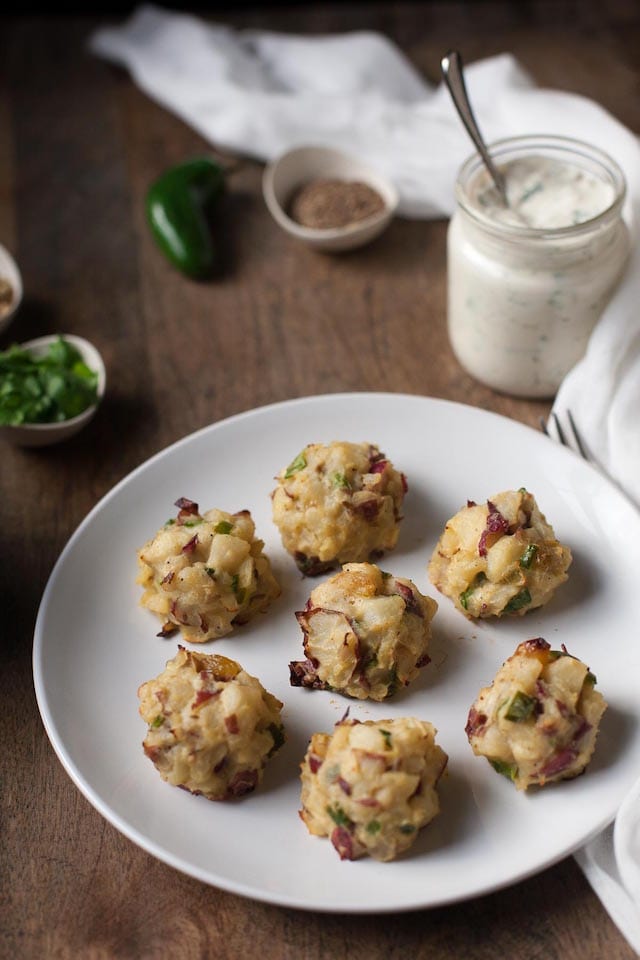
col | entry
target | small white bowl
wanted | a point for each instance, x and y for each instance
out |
(43, 434)
(9, 271)
(296, 167)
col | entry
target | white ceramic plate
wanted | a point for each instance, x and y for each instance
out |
(94, 645)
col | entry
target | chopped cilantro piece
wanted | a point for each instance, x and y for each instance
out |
(591, 678)
(373, 826)
(530, 191)
(407, 828)
(157, 722)
(296, 465)
(50, 388)
(192, 523)
(387, 738)
(239, 591)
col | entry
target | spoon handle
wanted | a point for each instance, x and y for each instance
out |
(453, 76)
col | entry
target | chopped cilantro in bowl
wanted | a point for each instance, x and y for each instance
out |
(49, 388)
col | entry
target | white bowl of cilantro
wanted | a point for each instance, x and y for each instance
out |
(10, 288)
(50, 389)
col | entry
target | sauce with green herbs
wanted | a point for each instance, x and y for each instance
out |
(528, 283)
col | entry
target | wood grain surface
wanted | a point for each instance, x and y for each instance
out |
(79, 144)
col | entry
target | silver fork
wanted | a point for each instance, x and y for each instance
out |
(567, 437)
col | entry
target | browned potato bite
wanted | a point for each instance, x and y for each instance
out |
(366, 633)
(538, 721)
(338, 503)
(205, 573)
(499, 558)
(370, 787)
(212, 726)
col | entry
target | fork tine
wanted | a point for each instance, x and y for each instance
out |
(561, 434)
(577, 437)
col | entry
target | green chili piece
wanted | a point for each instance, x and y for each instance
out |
(509, 770)
(371, 662)
(296, 465)
(338, 816)
(520, 708)
(277, 732)
(157, 722)
(521, 599)
(239, 591)
(340, 480)
(223, 527)
(387, 738)
(178, 207)
(479, 579)
(529, 556)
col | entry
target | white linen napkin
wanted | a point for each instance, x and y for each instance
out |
(259, 93)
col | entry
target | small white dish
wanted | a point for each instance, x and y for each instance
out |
(9, 271)
(44, 434)
(296, 167)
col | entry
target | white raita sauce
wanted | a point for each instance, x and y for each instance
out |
(524, 298)
(543, 193)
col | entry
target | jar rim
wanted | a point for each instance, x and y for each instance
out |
(567, 148)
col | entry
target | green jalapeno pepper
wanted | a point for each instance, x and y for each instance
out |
(178, 206)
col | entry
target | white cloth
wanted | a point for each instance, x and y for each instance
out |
(259, 93)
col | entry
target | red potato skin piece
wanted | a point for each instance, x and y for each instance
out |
(341, 839)
(475, 723)
(243, 782)
(231, 723)
(369, 510)
(496, 524)
(203, 695)
(302, 674)
(535, 645)
(314, 762)
(186, 509)
(190, 545)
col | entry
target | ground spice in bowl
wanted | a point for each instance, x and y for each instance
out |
(324, 204)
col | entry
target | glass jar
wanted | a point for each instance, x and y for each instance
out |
(527, 284)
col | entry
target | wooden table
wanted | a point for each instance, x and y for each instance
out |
(78, 146)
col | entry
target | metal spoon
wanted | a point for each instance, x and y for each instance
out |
(453, 76)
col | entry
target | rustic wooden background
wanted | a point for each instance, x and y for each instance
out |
(79, 145)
